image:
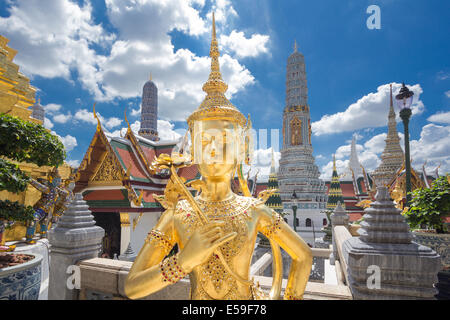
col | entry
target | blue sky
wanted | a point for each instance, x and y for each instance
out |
(79, 52)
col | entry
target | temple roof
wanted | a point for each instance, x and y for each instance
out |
(122, 164)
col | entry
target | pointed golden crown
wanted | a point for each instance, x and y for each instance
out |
(216, 106)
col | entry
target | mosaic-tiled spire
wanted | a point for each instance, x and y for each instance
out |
(149, 111)
(392, 156)
(335, 192)
(274, 200)
(297, 171)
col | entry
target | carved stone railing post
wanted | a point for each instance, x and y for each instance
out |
(339, 217)
(74, 238)
(383, 263)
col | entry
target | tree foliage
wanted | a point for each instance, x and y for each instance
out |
(430, 205)
(12, 179)
(23, 141)
(14, 211)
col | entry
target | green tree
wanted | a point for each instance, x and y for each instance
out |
(429, 206)
(23, 141)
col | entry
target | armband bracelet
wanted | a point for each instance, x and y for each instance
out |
(158, 238)
(273, 228)
(171, 270)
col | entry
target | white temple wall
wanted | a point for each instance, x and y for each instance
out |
(308, 233)
(145, 224)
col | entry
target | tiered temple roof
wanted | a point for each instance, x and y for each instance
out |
(114, 175)
(334, 191)
(355, 184)
(274, 201)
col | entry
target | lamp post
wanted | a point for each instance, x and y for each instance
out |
(404, 101)
(294, 210)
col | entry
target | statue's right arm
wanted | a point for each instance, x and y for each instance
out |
(145, 276)
(39, 186)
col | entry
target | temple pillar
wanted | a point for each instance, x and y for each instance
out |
(74, 238)
(339, 217)
(125, 232)
(383, 263)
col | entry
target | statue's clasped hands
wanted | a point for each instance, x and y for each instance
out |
(202, 243)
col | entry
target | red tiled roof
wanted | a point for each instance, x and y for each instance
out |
(148, 195)
(128, 159)
(163, 150)
(188, 173)
(354, 216)
(149, 153)
(347, 190)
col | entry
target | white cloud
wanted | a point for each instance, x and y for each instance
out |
(86, 116)
(136, 112)
(440, 117)
(47, 123)
(56, 37)
(73, 163)
(447, 93)
(262, 160)
(62, 118)
(433, 147)
(69, 142)
(369, 111)
(53, 37)
(166, 130)
(52, 108)
(223, 11)
(245, 47)
(327, 170)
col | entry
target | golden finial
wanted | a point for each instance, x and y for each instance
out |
(151, 78)
(39, 100)
(295, 45)
(214, 27)
(334, 162)
(96, 117)
(126, 120)
(215, 105)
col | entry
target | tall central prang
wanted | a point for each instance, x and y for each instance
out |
(302, 192)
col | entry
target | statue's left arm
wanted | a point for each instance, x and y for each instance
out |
(272, 225)
(42, 188)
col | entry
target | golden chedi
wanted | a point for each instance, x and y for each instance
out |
(215, 231)
(17, 98)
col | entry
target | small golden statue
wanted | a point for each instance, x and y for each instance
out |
(216, 231)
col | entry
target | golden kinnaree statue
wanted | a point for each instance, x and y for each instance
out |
(215, 231)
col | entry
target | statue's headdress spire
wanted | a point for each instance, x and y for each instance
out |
(216, 106)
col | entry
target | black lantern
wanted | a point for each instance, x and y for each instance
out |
(404, 100)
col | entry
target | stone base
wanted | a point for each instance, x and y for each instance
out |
(407, 271)
(443, 285)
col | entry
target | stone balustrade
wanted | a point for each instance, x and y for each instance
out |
(105, 279)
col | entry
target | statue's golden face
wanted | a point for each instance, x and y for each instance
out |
(216, 147)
